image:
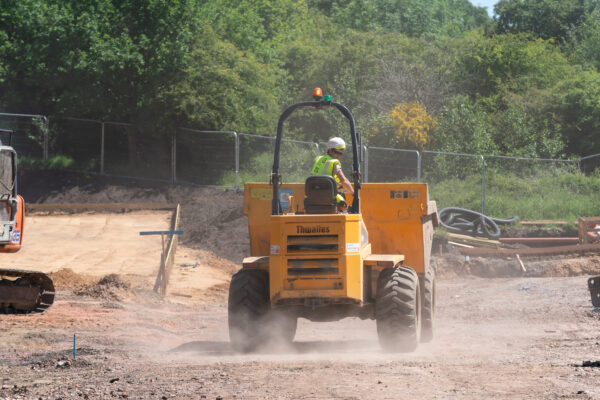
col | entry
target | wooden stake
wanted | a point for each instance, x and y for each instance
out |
(521, 263)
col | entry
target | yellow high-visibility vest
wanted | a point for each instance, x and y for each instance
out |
(324, 165)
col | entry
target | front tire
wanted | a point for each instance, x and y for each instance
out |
(252, 321)
(398, 309)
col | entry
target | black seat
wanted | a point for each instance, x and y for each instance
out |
(320, 191)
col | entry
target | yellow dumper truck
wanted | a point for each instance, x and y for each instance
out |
(313, 261)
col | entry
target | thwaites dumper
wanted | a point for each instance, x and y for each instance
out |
(310, 260)
(21, 291)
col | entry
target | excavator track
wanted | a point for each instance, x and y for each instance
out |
(25, 291)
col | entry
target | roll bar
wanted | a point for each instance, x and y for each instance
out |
(276, 176)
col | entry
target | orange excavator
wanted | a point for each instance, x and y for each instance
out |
(21, 291)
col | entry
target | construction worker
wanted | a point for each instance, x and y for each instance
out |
(329, 164)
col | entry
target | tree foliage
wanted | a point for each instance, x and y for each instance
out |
(547, 19)
(409, 126)
(224, 88)
(524, 83)
(582, 40)
(98, 58)
(411, 17)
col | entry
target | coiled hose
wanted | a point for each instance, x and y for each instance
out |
(472, 223)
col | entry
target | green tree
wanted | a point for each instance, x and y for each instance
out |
(135, 60)
(580, 110)
(256, 26)
(547, 19)
(225, 88)
(486, 66)
(464, 127)
(100, 59)
(582, 40)
(412, 17)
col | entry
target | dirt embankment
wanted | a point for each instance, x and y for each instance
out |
(212, 219)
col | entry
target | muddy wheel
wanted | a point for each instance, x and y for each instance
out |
(247, 307)
(428, 309)
(398, 309)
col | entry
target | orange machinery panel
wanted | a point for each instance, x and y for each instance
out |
(16, 237)
(399, 218)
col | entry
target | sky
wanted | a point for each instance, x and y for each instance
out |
(485, 3)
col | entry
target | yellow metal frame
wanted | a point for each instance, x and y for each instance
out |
(399, 219)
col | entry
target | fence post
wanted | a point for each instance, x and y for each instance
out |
(366, 163)
(174, 157)
(237, 161)
(102, 149)
(482, 184)
(46, 129)
(418, 166)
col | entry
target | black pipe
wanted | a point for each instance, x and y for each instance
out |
(468, 222)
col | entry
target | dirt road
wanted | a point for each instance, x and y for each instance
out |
(500, 338)
(524, 338)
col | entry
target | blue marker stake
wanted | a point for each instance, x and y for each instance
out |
(74, 347)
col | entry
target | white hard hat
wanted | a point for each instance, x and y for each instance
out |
(337, 144)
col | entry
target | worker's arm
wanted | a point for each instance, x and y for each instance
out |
(345, 182)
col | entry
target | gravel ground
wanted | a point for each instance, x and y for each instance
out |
(526, 338)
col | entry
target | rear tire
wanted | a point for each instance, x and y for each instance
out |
(252, 322)
(398, 309)
(247, 307)
(428, 310)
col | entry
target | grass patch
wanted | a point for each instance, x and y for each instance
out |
(57, 162)
(562, 197)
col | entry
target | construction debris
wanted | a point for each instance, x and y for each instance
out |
(540, 241)
(473, 241)
(539, 251)
(589, 230)
(588, 241)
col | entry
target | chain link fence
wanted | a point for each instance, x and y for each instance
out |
(80, 140)
(524, 180)
(130, 152)
(392, 165)
(256, 158)
(590, 165)
(31, 134)
(230, 159)
(206, 158)
(457, 178)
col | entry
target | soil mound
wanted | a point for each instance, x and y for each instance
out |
(66, 278)
(109, 287)
(572, 267)
(212, 219)
(113, 281)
